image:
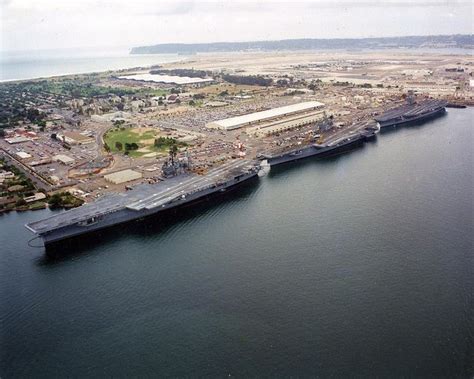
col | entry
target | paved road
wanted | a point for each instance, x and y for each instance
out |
(38, 181)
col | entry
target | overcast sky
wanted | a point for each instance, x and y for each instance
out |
(50, 24)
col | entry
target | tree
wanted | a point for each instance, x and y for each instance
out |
(55, 201)
(2, 133)
(248, 80)
(131, 146)
(118, 145)
(164, 141)
(20, 202)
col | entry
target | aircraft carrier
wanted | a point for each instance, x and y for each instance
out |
(412, 113)
(142, 201)
(335, 147)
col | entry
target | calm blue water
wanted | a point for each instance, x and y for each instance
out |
(360, 265)
(45, 63)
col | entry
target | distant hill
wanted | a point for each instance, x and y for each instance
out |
(442, 41)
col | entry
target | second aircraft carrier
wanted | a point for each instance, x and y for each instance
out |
(335, 147)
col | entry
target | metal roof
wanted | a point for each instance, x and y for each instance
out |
(123, 176)
(235, 122)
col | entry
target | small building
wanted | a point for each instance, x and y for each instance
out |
(14, 140)
(36, 128)
(187, 138)
(296, 91)
(242, 97)
(216, 104)
(36, 197)
(186, 95)
(40, 162)
(64, 159)
(75, 138)
(111, 117)
(16, 188)
(23, 155)
(6, 175)
(123, 176)
(54, 179)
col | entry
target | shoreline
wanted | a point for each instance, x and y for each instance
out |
(60, 75)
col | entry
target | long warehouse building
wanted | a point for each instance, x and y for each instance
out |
(273, 120)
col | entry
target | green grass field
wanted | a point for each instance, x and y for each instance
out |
(144, 140)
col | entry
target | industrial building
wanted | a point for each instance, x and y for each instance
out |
(13, 140)
(74, 138)
(123, 176)
(274, 120)
(23, 155)
(64, 159)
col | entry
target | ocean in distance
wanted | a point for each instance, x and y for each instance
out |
(357, 265)
(22, 65)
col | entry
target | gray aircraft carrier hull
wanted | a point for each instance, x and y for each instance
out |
(133, 211)
(345, 145)
(401, 118)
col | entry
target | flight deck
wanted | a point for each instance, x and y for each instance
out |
(149, 197)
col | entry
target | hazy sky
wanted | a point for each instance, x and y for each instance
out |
(49, 24)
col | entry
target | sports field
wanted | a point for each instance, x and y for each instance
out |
(119, 138)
